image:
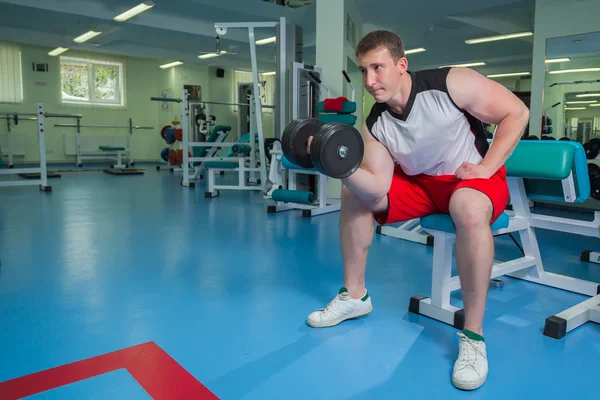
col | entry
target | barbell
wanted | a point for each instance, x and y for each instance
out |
(336, 149)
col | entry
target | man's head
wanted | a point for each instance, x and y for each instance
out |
(382, 62)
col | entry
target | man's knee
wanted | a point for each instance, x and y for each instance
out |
(470, 209)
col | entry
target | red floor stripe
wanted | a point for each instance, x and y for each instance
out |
(159, 374)
(163, 378)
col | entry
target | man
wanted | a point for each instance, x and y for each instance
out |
(429, 124)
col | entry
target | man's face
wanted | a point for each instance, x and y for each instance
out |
(381, 76)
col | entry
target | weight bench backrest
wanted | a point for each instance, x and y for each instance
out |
(550, 169)
(214, 135)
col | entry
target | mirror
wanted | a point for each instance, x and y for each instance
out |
(572, 88)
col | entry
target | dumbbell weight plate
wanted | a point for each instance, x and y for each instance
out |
(592, 148)
(594, 171)
(337, 151)
(295, 139)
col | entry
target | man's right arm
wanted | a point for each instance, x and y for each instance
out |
(372, 181)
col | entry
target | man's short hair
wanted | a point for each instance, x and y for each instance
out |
(382, 38)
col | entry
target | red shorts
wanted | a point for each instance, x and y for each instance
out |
(421, 195)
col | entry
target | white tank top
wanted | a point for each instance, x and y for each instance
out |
(433, 136)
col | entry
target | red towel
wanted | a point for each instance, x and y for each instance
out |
(334, 104)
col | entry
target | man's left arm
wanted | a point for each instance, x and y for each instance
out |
(490, 102)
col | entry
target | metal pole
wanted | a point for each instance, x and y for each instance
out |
(282, 75)
(227, 103)
(252, 176)
(50, 115)
(42, 139)
(257, 105)
(130, 142)
(10, 154)
(104, 126)
(168, 99)
(79, 161)
(185, 134)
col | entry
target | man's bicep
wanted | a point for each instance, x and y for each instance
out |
(377, 159)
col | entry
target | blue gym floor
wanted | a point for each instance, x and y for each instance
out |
(107, 262)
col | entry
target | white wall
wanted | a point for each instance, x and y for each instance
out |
(556, 18)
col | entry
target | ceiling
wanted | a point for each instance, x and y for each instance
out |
(181, 29)
(443, 26)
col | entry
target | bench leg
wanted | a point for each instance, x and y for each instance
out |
(119, 164)
(557, 326)
(438, 306)
(211, 192)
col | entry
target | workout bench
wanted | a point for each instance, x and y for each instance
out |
(559, 168)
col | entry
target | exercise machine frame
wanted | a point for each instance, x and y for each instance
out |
(42, 182)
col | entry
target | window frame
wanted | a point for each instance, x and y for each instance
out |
(92, 66)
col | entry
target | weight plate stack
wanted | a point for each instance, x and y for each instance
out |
(295, 139)
(337, 151)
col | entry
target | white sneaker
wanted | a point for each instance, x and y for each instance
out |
(341, 308)
(471, 367)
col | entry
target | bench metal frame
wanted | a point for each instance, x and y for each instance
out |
(528, 267)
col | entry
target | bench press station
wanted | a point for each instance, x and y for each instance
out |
(558, 166)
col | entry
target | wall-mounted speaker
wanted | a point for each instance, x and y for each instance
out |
(220, 72)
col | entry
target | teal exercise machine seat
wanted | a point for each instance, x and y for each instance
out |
(348, 119)
(556, 162)
(230, 152)
(348, 107)
(214, 135)
(443, 222)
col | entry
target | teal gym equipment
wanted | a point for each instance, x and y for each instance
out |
(557, 172)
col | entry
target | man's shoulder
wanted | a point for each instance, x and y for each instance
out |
(432, 79)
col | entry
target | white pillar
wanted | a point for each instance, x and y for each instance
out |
(330, 56)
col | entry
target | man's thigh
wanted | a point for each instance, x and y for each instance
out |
(407, 199)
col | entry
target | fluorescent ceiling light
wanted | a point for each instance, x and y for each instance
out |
(567, 71)
(575, 108)
(173, 64)
(269, 73)
(557, 60)
(208, 55)
(474, 64)
(57, 51)
(509, 74)
(412, 51)
(268, 40)
(498, 37)
(132, 12)
(588, 95)
(86, 36)
(595, 105)
(581, 102)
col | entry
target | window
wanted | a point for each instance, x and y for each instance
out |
(91, 81)
(11, 74)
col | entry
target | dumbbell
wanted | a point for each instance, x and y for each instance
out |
(594, 172)
(336, 149)
(592, 148)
